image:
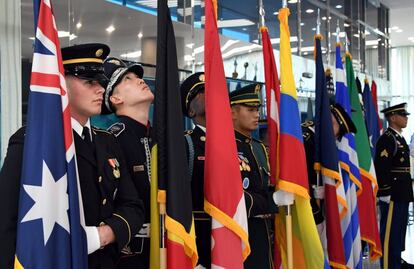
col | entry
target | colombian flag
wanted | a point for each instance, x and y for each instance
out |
(307, 247)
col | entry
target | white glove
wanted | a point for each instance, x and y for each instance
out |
(319, 192)
(282, 197)
(385, 199)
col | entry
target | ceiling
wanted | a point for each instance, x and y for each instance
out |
(401, 22)
(134, 33)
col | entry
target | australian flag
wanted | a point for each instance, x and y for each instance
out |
(49, 230)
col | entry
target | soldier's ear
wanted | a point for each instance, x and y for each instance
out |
(115, 99)
(191, 113)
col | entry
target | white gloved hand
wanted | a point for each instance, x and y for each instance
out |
(385, 199)
(318, 192)
(282, 197)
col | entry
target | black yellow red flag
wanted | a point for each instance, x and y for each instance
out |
(169, 154)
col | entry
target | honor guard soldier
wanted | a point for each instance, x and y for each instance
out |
(193, 106)
(392, 165)
(342, 124)
(254, 168)
(129, 97)
(111, 205)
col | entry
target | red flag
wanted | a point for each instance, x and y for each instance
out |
(272, 108)
(272, 104)
(224, 197)
(375, 99)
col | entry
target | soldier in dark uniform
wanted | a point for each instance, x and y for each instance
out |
(129, 97)
(254, 167)
(192, 100)
(342, 124)
(392, 166)
(111, 205)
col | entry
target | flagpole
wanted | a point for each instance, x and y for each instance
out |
(289, 245)
(318, 174)
(163, 249)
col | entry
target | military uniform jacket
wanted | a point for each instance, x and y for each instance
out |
(108, 197)
(135, 142)
(308, 134)
(195, 141)
(256, 191)
(392, 165)
(259, 202)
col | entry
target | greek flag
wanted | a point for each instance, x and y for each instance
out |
(348, 160)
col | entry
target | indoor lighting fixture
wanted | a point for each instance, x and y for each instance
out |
(78, 25)
(338, 6)
(140, 35)
(292, 1)
(309, 11)
(399, 31)
(110, 29)
(133, 54)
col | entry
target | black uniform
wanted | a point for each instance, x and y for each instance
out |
(108, 196)
(135, 142)
(195, 140)
(392, 165)
(259, 202)
(309, 143)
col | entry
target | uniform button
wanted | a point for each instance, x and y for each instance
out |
(104, 201)
(100, 178)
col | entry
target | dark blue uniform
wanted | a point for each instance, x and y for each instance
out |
(135, 142)
(308, 134)
(196, 140)
(108, 197)
(392, 165)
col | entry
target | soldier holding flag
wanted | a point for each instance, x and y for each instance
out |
(245, 103)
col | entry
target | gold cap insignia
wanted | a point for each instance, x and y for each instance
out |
(99, 52)
(201, 77)
(384, 153)
(257, 88)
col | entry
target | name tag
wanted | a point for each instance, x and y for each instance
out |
(138, 168)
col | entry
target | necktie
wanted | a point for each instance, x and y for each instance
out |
(87, 136)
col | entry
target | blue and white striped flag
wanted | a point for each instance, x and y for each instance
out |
(348, 160)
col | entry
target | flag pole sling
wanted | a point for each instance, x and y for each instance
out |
(163, 249)
(289, 237)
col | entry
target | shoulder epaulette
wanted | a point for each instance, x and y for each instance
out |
(257, 140)
(117, 128)
(388, 132)
(308, 123)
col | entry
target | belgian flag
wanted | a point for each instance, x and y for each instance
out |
(169, 161)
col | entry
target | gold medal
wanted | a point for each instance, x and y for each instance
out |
(116, 173)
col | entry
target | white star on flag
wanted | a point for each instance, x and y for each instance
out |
(51, 202)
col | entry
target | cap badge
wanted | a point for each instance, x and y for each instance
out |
(99, 53)
(114, 61)
(257, 88)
